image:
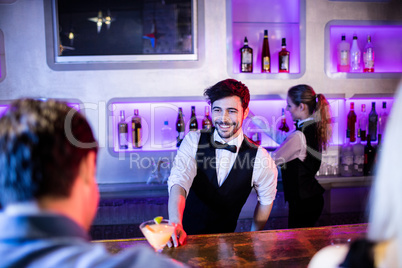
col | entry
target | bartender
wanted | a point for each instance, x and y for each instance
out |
(215, 171)
(299, 155)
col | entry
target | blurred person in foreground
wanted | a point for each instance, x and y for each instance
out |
(49, 191)
(214, 171)
(383, 245)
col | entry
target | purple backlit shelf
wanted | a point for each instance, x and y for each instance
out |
(154, 111)
(282, 19)
(386, 37)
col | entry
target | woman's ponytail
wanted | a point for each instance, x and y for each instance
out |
(324, 120)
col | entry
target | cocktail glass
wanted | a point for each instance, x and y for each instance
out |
(157, 234)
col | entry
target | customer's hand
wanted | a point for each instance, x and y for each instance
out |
(179, 237)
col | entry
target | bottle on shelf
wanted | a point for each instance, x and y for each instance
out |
(368, 56)
(136, 128)
(355, 56)
(123, 131)
(369, 157)
(180, 127)
(382, 120)
(284, 56)
(166, 132)
(346, 160)
(378, 150)
(358, 158)
(363, 123)
(265, 55)
(246, 58)
(372, 123)
(283, 127)
(343, 53)
(206, 122)
(193, 120)
(351, 125)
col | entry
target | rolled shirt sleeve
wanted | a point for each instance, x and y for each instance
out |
(265, 175)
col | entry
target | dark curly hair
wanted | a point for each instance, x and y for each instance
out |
(41, 146)
(228, 88)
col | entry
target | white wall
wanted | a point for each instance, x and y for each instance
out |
(28, 74)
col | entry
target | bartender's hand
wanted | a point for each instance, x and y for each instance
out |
(179, 237)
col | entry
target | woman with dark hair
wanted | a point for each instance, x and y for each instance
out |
(299, 156)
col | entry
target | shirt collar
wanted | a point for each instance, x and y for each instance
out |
(22, 208)
(236, 141)
(300, 122)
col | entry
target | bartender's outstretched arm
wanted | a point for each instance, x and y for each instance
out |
(177, 202)
(261, 215)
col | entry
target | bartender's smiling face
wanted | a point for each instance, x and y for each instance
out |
(227, 116)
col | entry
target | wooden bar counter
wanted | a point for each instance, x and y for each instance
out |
(274, 248)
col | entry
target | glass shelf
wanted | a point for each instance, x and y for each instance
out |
(282, 19)
(386, 38)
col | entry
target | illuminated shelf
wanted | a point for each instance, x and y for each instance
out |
(386, 37)
(282, 19)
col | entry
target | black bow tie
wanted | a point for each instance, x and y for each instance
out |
(225, 146)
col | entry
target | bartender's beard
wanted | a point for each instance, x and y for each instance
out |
(227, 130)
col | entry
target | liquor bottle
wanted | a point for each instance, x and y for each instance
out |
(355, 56)
(180, 127)
(343, 54)
(346, 160)
(206, 122)
(266, 55)
(351, 128)
(123, 132)
(166, 132)
(372, 123)
(284, 56)
(368, 56)
(382, 120)
(363, 123)
(369, 156)
(136, 130)
(193, 120)
(283, 127)
(358, 158)
(246, 58)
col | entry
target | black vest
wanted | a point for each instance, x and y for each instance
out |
(298, 176)
(210, 208)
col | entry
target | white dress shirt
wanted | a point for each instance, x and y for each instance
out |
(184, 170)
(294, 146)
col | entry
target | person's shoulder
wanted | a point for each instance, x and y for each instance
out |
(329, 257)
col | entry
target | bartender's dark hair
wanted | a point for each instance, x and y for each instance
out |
(318, 106)
(42, 144)
(227, 88)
